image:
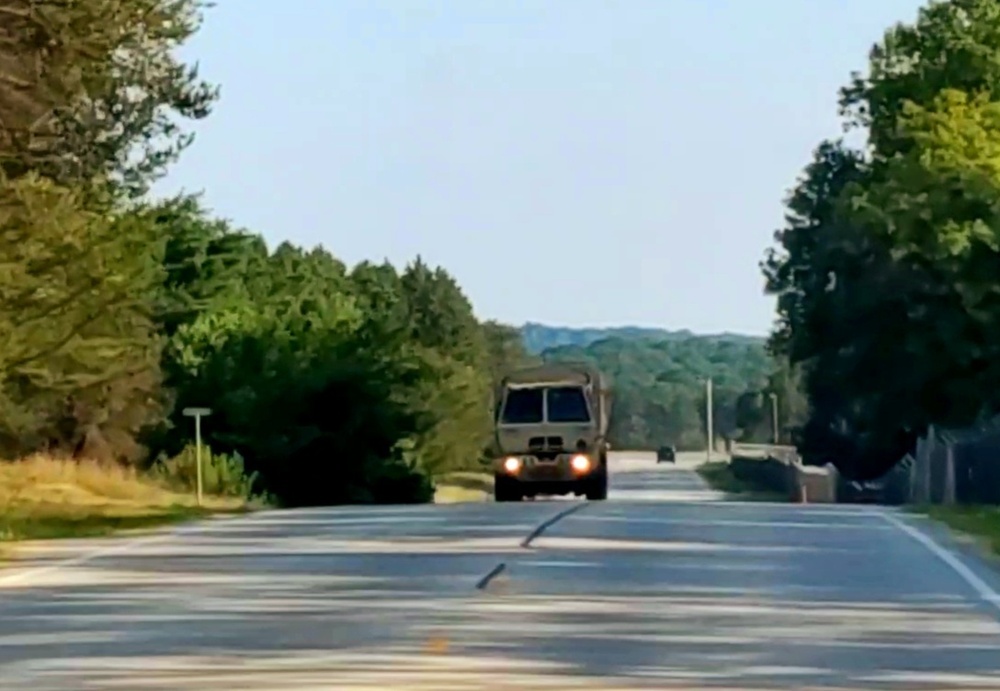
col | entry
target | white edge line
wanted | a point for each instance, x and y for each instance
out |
(18, 576)
(983, 589)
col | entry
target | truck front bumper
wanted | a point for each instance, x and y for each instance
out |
(565, 468)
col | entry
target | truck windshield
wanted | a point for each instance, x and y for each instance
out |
(567, 404)
(522, 407)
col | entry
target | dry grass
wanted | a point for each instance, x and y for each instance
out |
(43, 497)
(454, 488)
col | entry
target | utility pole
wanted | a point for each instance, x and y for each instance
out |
(774, 417)
(708, 419)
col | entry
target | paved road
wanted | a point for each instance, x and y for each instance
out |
(663, 586)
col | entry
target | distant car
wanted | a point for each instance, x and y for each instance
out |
(666, 454)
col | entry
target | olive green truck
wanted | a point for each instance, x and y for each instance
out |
(550, 427)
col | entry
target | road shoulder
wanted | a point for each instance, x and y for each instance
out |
(961, 552)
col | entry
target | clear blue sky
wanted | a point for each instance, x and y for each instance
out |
(578, 162)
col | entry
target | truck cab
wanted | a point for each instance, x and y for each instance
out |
(549, 434)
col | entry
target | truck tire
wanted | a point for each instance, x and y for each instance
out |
(505, 489)
(597, 488)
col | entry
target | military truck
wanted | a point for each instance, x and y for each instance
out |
(550, 427)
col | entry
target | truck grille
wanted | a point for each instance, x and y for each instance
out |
(542, 443)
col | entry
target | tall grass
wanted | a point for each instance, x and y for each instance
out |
(46, 496)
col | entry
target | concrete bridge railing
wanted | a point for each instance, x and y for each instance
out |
(779, 469)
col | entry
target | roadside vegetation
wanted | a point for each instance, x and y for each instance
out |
(720, 477)
(45, 497)
(463, 487)
(980, 523)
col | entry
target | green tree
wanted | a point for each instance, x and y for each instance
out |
(455, 398)
(505, 350)
(79, 348)
(885, 279)
(90, 104)
(95, 89)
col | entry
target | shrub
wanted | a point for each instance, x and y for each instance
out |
(222, 475)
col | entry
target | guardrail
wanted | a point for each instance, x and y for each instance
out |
(788, 453)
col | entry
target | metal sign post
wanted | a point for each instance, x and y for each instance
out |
(197, 414)
(709, 432)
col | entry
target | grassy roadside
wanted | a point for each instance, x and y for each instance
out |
(454, 488)
(47, 498)
(979, 524)
(719, 476)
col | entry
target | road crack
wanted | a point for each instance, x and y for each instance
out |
(548, 523)
(485, 581)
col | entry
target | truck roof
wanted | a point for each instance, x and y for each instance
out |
(581, 373)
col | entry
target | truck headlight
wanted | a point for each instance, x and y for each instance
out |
(580, 463)
(512, 464)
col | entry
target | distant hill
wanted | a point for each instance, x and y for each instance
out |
(539, 337)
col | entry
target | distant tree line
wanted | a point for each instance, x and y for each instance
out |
(886, 272)
(659, 391)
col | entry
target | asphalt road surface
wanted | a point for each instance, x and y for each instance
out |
(663, 586)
